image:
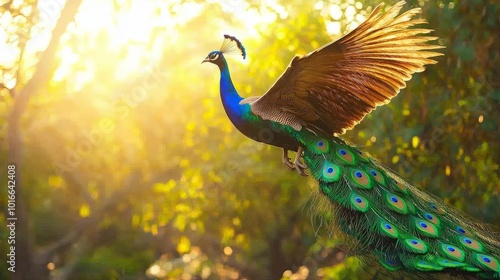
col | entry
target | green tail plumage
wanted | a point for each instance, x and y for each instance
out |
(329, 91)
(404, 227)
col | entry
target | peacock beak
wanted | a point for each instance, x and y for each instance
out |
(205, 60)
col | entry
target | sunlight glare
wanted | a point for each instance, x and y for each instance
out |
(333, 27)
(69, 58)
(94, 15)
(147, 25)
(319, 5)
(360, 18)
(8, 55)
(51, 266)
(251, 17)
(124, 28)
(9, 80)
(230, 6)
(335, 12)
(350, 11)
(274, 5)
(6, 19)
(352, 25)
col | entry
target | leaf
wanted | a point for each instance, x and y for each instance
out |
(184, 245)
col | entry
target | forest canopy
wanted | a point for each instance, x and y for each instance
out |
(128, 167)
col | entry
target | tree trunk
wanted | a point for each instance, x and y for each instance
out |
(26, 266)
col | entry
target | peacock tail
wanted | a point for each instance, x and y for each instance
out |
(328, 91)
(404, 227)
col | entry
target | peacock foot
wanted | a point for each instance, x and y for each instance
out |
(297, 164)
(286, 160)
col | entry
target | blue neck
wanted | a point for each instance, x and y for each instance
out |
(229, 95)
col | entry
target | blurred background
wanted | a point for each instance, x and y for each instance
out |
(128, 168)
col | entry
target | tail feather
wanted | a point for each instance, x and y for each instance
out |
(403, 227)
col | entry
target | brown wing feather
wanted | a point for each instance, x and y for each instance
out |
(331, 89)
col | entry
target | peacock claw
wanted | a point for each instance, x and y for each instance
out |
(286, 160)
(299, 166)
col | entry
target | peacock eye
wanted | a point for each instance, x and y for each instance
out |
(213, 56)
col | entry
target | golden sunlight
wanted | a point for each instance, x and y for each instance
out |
(118, 28)
(127, 28)
(110, 27)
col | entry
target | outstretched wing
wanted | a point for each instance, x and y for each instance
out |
(331, 89)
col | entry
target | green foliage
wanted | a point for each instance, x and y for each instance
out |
(130, 142)
(345, 270)
(452, 110)
(107, 263)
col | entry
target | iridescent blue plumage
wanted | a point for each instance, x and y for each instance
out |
(229, 96)
(239, 111)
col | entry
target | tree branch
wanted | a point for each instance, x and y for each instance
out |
(109, 204)
(24, 240)
(132, 187)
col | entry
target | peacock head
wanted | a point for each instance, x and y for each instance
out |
(214, 57)
(229, 45)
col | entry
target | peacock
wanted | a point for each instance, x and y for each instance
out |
(328, 91)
